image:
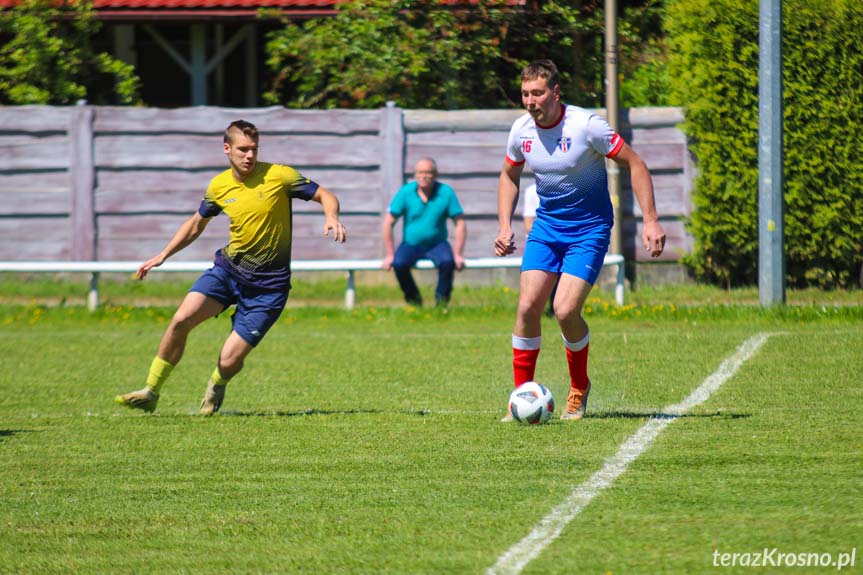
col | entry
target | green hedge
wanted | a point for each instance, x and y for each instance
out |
(714, 70)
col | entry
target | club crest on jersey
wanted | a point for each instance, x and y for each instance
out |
(564, 144)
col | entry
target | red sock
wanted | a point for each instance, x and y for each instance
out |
(577, 361)
(523, 364)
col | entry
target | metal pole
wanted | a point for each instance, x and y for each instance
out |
(198, 64)
(612, 108)
(771, 262)
(350, 291)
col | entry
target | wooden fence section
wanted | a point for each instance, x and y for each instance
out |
(114, 183)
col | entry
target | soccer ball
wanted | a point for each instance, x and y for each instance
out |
(532, 403)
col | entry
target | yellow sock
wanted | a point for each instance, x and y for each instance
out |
(159, 372)
(217, 377)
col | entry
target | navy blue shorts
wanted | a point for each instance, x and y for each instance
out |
(257, 309)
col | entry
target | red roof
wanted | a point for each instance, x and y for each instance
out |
(168, 4)
(192, 9)
(206, 9)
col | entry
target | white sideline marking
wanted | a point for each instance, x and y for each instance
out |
(550, 527)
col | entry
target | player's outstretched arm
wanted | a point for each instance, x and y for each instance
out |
(330, 204)
(652, 233)
(185, 235)
(507, 198)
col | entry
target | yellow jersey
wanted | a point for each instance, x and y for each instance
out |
(258, 253)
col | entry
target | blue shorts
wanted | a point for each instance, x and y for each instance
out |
(257, 309)
(579, 254)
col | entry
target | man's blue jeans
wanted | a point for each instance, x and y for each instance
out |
(441, 254)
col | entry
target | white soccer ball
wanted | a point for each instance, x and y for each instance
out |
(531, 403)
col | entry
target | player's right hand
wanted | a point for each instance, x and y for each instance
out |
(504, 244)
(148, 265)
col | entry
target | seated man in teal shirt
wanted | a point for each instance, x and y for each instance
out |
(426, 205)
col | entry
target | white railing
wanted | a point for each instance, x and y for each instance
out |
(349, 266)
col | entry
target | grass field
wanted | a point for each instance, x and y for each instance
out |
(369, 442)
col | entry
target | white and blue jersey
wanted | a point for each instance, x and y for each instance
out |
(575, 212)
(568, 160)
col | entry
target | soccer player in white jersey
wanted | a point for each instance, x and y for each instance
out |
(566, 148)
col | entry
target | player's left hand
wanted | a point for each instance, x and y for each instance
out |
(340, 234)
(653, 237)
(459, 262)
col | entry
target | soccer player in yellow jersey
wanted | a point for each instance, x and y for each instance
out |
(252, 272)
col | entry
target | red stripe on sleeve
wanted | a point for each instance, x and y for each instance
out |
(616, 145)
(512, 162)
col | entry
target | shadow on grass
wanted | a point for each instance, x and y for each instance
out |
(280, 413)
(610, 414)
(4, 433)
(289, 413)
(659, 415)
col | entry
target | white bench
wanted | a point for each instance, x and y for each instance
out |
(349, 266)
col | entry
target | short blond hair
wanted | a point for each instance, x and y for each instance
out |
(541, 69)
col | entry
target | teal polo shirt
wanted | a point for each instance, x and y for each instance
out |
(425, 223)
